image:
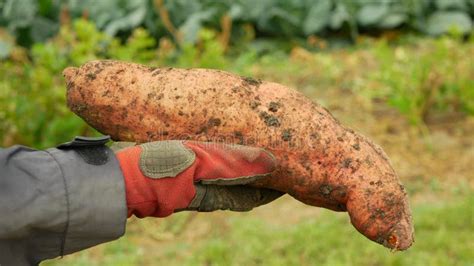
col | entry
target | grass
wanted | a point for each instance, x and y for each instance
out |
(444, 236)
(444, 233)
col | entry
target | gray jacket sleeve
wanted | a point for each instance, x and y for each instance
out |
(58, 201)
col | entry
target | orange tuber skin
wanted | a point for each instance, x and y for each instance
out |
(321, 163)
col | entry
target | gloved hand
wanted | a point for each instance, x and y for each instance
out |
(167, 176)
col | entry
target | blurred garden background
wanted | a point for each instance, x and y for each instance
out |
(399, 71)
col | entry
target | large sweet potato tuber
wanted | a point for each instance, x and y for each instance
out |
(322, 163)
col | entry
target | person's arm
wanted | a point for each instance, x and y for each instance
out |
(58, 201)
(66, 199)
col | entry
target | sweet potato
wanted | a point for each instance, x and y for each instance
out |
(321, 163)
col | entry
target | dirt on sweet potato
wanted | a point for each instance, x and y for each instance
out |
(321, 162)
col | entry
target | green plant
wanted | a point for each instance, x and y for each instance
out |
(414, 79)
(33, 109)
(138, 48)
(208, 53)
(36, 21)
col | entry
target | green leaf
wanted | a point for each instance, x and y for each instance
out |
(193, 24)
(393, 20)
(5, 49)
(417, 8)
(180, 10)
(451, 4)
(339, 16)
(372, 14)
(279, 20)
(318, 17)
(443, 21)
(19, 13)
(131, 20)
(43, 28)
(110, 15)
(45, 7)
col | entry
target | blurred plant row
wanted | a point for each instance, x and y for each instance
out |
(32, 93)
(420, 77)
(33, 21)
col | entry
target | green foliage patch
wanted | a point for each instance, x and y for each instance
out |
(34, 21)
(32, 94)
(417, 83)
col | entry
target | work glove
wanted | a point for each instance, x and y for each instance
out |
(164, 177)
